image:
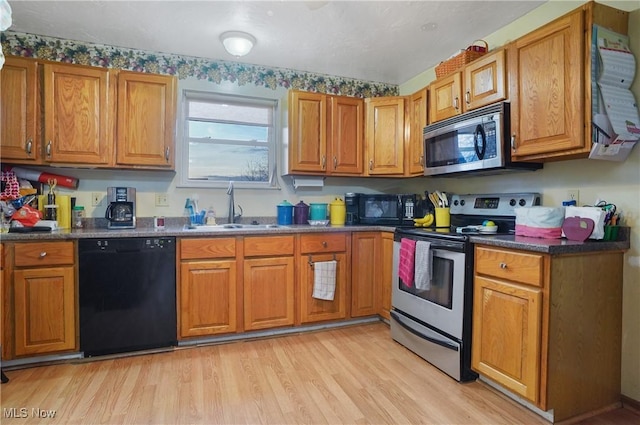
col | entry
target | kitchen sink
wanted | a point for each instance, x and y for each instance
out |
(232, 226)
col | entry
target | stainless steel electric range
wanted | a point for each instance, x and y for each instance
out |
(433, 319)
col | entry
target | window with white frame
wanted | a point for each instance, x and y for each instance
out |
(228, 138)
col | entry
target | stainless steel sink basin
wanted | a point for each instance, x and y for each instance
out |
(232, 226)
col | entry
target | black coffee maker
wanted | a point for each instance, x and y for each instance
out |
(121, 211)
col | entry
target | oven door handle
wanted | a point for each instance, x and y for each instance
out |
(416, 333)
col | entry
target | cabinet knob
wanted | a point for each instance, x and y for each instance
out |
(324, 161)
(456, 103)
(467, 97)
(370, 164)
(48, 150)
(324, 244)
(422, 160)
(503, 265)
(29, 146)
(166, 153)
(513, 142)
(335, 163)
(43, 254)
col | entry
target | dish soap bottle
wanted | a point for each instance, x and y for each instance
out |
(210, 218)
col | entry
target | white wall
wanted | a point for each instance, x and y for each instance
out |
(612, 181)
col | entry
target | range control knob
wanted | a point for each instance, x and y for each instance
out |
(462, 202)
(522, 202)
(455, 202)
(512, 202)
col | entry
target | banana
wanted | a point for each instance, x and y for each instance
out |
(425, 221)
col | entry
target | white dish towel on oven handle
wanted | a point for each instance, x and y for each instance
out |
(423, 265)
(324, 280)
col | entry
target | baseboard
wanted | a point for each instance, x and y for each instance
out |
(631, 404)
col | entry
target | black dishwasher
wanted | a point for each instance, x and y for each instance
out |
(127, 289)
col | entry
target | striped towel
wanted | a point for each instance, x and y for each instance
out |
(424, 261)
(406, 265)
(324, 279)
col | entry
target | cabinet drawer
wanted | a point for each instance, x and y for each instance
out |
(255, 246)
(44, 254)
(334, 242)
(197, 249)
(515, 266)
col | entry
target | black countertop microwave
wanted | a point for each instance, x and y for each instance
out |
(476, 142)
(380, 209)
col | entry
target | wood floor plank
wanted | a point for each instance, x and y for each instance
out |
(351, 375)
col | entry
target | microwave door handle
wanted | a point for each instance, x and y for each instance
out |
(480, 134)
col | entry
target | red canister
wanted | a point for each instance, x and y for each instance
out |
(301, 213)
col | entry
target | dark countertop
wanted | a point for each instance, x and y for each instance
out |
(555, 246)
(548, 246)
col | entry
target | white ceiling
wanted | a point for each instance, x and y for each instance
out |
(381, 41)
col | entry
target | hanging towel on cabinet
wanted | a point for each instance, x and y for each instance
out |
(324, 280)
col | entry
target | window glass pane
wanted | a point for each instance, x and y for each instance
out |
(227, 112)
(224, 162)
(224, 131)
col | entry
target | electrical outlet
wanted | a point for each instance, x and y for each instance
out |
(96, 199)
(573, 195)
(162, 200)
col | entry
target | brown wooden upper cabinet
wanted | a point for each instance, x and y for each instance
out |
(550, 85)
(146, 120)
(480, 83)
(417, 122)
(19, 132)
(325, 134)
(78, 126)
(385, 135)
(84, 114)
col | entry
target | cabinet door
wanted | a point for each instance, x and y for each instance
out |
(346, 141)
(366, 276)
(547, 90)
(312, 309)
(207, 298)
(146, 120)
(444, 99)
(45, 318)
(385, 135)
(485, 80)
(387, 274)
(268, 292)
(19, 132)
(507, 323)
(418, 120)
(307, 132)
(78, 117)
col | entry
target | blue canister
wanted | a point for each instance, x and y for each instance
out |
(285, 213)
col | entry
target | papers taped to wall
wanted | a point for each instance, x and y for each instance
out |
(616, 122)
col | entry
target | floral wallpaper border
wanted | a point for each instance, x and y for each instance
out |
(216, 71)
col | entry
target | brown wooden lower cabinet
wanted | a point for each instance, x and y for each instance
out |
(548, 327)
(315, 248)
(268, 282)
(387, 274)
(40, 300)
(207, 287)
(366, 273)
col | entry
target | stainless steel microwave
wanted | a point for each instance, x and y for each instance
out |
(473, 143)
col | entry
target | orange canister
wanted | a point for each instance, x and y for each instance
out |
(337, 212)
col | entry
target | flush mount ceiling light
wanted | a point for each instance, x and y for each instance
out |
(237, 43)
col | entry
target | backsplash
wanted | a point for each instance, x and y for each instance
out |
(216, 71)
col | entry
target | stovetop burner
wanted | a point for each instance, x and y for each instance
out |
(469, 212)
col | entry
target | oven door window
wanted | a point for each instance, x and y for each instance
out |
(441, 288)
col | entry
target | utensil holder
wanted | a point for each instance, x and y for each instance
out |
(443, 217)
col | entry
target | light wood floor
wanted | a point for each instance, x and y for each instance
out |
(353, 375)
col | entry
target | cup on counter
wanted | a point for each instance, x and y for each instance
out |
(443, 217)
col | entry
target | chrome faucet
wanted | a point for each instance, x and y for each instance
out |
(232, 205)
